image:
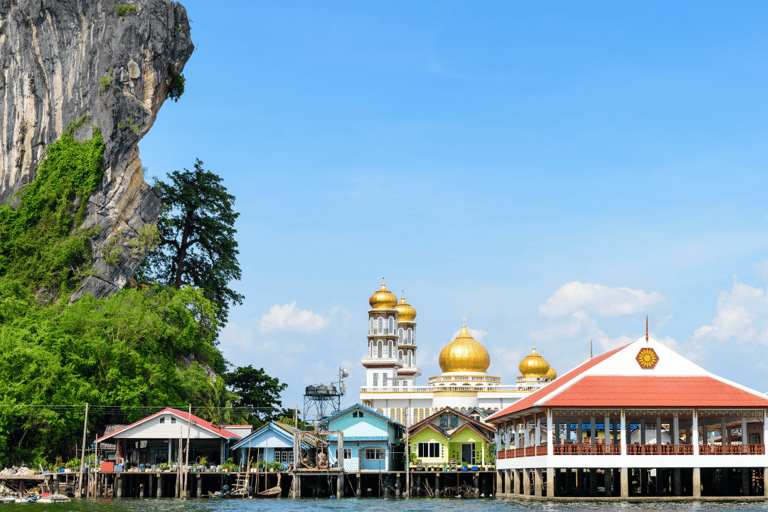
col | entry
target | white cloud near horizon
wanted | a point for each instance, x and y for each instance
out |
(742, 315)
(289, 318)
(597, 298)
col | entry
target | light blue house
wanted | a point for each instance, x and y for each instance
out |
(371, 440)
(273, 443)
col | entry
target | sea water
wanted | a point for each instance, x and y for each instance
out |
(373, 505)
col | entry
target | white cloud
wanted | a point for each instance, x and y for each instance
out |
(660, 325)
(742, 315)
(478, 334)
(761, 269)
(233, 335)
(599, 299)
(289, 318)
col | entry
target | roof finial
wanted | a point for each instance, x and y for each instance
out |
(646, 328)
(590, 349)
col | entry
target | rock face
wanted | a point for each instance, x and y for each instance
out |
(63, 59)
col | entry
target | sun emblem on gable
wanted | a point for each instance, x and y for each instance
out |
(647, 358)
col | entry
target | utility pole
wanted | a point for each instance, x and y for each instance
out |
(186, 464)
(82, 454)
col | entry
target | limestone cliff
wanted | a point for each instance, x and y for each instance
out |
(63, 59)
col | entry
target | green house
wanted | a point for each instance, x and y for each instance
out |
(449, 436)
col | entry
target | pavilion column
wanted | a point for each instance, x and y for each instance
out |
(642, 431)
(615, 427)
(515, 481)
(723, 433)
(537, 432)
(579, 439)
(623, 439)
(658, 432)
(592, 431)
(607, 430)
(676, 430)
(517, 436)
(550, 443)
(695, 433)
(744, 435)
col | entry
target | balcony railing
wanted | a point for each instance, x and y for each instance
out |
(587, 449)
(659, 449)
(732, 449)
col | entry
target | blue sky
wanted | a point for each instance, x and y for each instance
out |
(552, 171)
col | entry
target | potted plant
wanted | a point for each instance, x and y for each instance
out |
(445, 466)
(464, 466)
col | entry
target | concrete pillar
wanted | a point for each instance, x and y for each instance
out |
(661, 481)
(624, 482)
(593, 481)
(119, 486)
(151, 484)
(642, 431)
(499, 481)
(550, 435)
(765, 482)
(538, 482)
(437, 485)
(537, 433)
(745, 480)
(516, 481)
(199, 482)
(526, 482)
(141, 490)
(608, 482)
(551, 482)
(677, 482)
(160, 486)
(697, 482)
(675, 430)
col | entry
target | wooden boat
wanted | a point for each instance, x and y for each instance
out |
(272, 492)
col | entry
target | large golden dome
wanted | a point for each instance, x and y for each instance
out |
(534, 365)
(383, 299)
(464, 354)
(405, 312)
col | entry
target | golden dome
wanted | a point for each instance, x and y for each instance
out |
(534, 365)
(551, 374)
(405, 312)
(464, 354)
(383, 299)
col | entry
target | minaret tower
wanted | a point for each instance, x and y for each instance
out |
(382, 362)
(406, 332)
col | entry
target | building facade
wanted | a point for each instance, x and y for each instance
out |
(392, 369)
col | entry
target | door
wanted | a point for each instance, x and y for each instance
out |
(468, 453)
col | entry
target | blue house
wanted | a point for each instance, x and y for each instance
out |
(371, 440)
(273, 443)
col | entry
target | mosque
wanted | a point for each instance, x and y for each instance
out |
(464, 384)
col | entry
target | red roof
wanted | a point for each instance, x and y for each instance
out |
(655, 392)
(530, 400)
(183, 415)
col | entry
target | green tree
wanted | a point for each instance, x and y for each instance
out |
(257, 390)
(219, 408)
(197, 238)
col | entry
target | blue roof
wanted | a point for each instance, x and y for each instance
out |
(279, 432)
(366, 409)
(359, 438)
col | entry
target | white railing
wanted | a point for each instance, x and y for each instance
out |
(423, 389)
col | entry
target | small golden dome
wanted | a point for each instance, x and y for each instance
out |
(464, 354)
(383, 299)
(405, 312)
(534, 365)
(551, 374)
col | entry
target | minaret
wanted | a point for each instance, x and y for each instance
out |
(382, 362)
(406, 335)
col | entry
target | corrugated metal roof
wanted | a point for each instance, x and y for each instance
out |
(359, 438)
(183, 415)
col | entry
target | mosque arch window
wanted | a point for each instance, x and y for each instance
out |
(375, 380)
(400, 356)
(370, 326)
(410, 336)
(380, 326)
(400, 336)
(384, 380)
(391, 349)
(392, 414)
(380, 411)
(391, 325)
(379, 349)
(399, 416)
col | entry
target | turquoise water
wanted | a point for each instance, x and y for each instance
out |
(367, 505)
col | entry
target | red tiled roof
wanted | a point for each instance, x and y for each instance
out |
(534, 397)
(656, 392)
(183, 415)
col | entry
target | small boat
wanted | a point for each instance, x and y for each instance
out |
(53, 498)
(272, 492)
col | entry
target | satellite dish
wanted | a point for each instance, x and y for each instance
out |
(344, 373)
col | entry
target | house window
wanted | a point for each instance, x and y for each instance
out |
(173, 420)
(162, 420)
(429, 450)
(347, 453)
(374, 454)
(449, 421)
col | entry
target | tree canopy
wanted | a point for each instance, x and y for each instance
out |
(257, 390)
(197, 238)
